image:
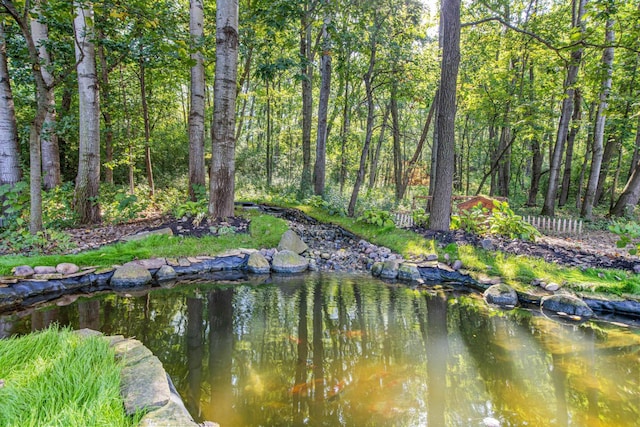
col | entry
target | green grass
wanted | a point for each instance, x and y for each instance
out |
(264, 231)
(56, 378)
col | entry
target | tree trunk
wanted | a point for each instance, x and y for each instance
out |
(631, 193)
(368, 83)
(575, 127)
(504, 164)
(196, 110)
(596, 159)
(48, 138)
(441, 206)
(319, 169)
(373, 167)
(346, 124)
(10, 172)
(105, 95)
(397, 147)
(610, 149)
(147, 127)
(307, 100)
(222, 182)
(563, 126)
(536, 171)
(88, 179)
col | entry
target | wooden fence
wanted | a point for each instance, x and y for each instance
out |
(403, 219)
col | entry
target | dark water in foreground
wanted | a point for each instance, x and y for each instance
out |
(353, 351)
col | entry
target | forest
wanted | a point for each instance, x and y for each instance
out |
(110, 109)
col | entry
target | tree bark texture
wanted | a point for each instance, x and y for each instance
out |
(197, 105)
(105, 107)
(147, 127)
(441, 207)
(631, 193)
(565, 115)
(48, 137)
(88, 179)
(320, 166)
(397, 147)
(222, 182)
(10, 172)
(307, 100)
(573, 132)
(598, 137)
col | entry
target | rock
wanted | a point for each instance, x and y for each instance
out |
(144, 234)
(23, 271)
(535, 282)
(389, 269)
(44, 269)
(67, 268)
(289, 262)
(376, 269)
(501, 295)
(457, 265)
(130, 275)
(487, 245)
(552, 286)
(432, 257)
(290, 241)
(313, 265)
(165, 273)
(636, 268)
(408, 271)
(151, 264)
(569, 304)
(258, 264)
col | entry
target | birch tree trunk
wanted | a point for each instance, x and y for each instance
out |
(567, 109)
(48, 138)
(10, 172)
(197, 108)
(319, 169)
(443, 189)
(222, 183)
(88, 180)
(598, 149)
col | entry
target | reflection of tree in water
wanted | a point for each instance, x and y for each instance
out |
(195, 355)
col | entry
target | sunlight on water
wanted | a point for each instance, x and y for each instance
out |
(353, 351)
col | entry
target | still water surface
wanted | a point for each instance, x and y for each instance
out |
(353, 351)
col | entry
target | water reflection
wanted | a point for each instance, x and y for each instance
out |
(349, 350)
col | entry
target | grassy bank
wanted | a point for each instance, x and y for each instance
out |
(266, 230)
(57, 378)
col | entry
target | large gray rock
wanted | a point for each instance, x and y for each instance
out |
(289, 262)
(144, 381)
(258, 264)
(501, 294)
(130, 275)
(166, 273)
(390, 269)
(44, 269)
(408, 271)
(567, 304)
(290, 241)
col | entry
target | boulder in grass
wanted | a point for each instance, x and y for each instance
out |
(44, 269)
(290, 241)
(130, 275)
(289, 262)
(166, 273)
(258, 264)
(502, 295)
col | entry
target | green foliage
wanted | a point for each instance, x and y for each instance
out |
(472, 220)
(505, 222)
(15, 202)
(58, 378)
(191, 208)
(333, 204)
(46, 241)
(376, 217)
(57, 209)
(118, 205)
(420, 218)
(628, 234)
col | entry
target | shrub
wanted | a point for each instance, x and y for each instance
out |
(628, 234)
(376, 217)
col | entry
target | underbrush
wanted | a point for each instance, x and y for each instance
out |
(57, 378)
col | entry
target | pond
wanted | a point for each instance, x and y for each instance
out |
(345, 350)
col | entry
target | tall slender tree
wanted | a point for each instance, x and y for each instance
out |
(222, 182)
(10, 172)
(598, 137)
(88, 179)
(445, 122)
(197, 107)
(48, 137)
(319, 169)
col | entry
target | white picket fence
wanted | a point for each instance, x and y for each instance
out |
(403, 219)
(566, 226)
